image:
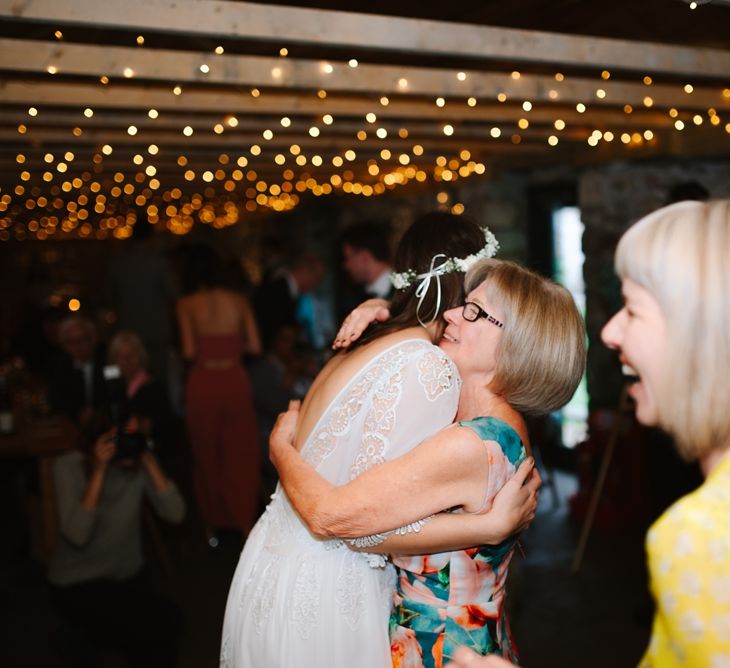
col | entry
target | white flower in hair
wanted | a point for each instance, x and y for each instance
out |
(404, 279)
(490, 250)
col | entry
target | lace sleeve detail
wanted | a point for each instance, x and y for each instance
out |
(437, 374)
(378, 538)
(415, 395)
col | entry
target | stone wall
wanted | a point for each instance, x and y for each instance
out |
(611, 198)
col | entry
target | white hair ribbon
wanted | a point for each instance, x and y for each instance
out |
(422, 289)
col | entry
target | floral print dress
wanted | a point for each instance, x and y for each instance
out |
(457, 598)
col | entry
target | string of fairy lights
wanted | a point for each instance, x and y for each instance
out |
(97, 190)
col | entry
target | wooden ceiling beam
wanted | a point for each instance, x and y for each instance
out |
(242, 144)
(168, 124)
(174, 67)
(131, 99)
(285, 26)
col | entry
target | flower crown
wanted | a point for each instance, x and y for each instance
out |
(404, 279)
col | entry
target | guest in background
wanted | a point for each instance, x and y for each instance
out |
(145, 396)
(77, 386)
(217, 327)
(141, 289)
(366, 259)
(285, 372)
(238, 278)
(96, 570)
(277, 300)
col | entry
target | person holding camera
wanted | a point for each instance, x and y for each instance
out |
(95, 571)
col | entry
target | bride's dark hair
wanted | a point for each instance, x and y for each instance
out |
(430, 235)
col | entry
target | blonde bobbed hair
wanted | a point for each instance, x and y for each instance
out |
(542, 352)
(131, 339)
(681, 255)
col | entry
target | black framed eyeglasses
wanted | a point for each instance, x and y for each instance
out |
(472, 312)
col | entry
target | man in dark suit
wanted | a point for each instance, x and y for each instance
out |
(366, 259)
(77, 386)
(277, 300)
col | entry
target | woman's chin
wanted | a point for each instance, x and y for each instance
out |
(644, 408)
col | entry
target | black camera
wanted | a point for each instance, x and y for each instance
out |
(130, 444)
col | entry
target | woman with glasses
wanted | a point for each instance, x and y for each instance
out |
(300, 600)
(518, 342)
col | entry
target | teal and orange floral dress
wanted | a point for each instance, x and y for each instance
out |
(457, 598)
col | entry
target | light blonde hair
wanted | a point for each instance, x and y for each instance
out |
(542, 352)
(126, 337)
(681, 255)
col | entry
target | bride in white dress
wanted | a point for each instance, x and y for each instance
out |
(299, 601)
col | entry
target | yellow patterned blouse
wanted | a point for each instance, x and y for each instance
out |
(689, 564)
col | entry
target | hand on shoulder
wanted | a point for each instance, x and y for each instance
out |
(372, 310)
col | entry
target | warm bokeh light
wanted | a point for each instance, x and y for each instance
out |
(76, 185)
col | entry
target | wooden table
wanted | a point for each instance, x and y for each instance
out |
(43, 438)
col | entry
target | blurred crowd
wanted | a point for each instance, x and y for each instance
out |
(188, 360)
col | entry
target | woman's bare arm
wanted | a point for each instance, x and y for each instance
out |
(446, 470)
(512, 511)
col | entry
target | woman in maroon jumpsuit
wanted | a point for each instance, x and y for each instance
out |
(217, 328)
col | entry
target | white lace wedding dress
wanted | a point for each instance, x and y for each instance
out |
(300, 602)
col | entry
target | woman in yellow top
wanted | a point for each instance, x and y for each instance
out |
(673, 337)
